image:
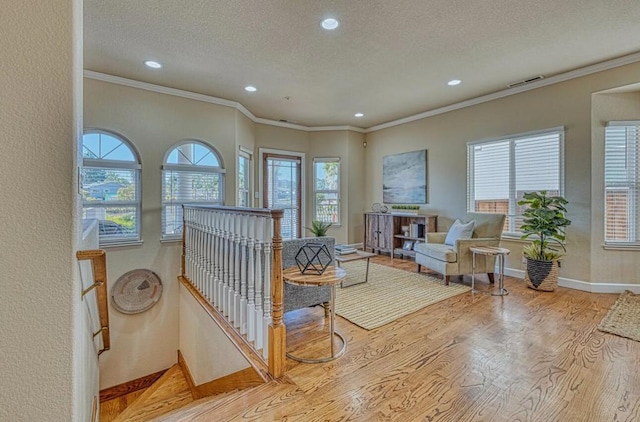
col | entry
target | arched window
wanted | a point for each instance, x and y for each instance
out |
(110, 186)
(192, 174)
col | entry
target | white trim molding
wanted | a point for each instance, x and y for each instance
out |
(583, 285)
(577, 73)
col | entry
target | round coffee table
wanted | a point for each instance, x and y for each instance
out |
(330, 277)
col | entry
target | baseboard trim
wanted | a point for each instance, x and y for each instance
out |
(239, 380)
(583, 285)
(130, 386)
(187, 374)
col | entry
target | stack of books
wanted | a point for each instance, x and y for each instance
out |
(344, 249)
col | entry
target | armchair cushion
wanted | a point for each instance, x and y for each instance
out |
(459, 230)
(438, 251)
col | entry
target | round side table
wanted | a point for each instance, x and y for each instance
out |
(499, 253)
(330, 277)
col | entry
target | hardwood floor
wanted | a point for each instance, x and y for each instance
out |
(528, 356)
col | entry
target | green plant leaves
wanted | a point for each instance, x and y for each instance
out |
(545, 219)
(319, 228)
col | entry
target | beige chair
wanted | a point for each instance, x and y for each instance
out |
(458, 259)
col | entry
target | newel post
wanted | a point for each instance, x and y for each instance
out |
(277, 329)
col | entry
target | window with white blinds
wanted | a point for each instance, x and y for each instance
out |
(192, 174)
(326, 186)
(110, 186)
(621, 183)
(500, 171)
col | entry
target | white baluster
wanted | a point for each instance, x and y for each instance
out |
(244, 227)
(236, 272)
(259, 282)
(218, 259)
(251, 305)
(266, 320)
(231, 267)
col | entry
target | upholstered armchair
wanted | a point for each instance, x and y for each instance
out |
(456, 258)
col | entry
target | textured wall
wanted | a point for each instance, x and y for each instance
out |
(36, 253)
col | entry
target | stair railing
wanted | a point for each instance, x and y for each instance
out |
(232, 264)
(98, 274)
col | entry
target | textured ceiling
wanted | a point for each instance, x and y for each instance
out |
(388, 58)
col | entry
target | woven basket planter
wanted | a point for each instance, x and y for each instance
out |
(541, 275)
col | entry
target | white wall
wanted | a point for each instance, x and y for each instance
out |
(40, 290)
(205, 348)
(88, 320)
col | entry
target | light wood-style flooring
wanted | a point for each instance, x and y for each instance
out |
(528, 356)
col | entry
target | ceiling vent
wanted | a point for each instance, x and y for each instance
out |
(526, 81)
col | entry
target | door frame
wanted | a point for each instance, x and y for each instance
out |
(303, 180)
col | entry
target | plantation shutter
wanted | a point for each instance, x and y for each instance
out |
(621, 174)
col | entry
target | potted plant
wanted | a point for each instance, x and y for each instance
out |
(319, 228)
(545, 219)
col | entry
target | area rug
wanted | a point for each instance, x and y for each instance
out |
(389, 294)
(623, 319)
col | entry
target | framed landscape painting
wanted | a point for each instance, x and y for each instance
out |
(404, 178)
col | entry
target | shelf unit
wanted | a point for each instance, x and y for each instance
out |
(383, 232)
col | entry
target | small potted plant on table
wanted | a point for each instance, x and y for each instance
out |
(319, 228)
(545, 219)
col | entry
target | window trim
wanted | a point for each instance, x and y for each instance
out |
(188, 168)
(635, 215)
(316, 191)
(512, 139)
(99, 163)
(248, 155)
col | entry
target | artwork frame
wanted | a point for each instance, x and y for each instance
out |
(407, 245)
(404, 178)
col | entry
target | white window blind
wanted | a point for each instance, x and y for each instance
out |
(191, 174)
(326, 184)
(110, 186)
(621, 183)
(500, 171)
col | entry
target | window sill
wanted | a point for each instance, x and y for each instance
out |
(171, 240)
(630, 247)
(121, 244)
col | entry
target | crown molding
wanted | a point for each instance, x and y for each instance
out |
(577, 73)
(90, 74)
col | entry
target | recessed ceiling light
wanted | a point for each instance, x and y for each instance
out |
(454, 82)
(152, 64)
(358, 114)
(250, 88)
(330, 24)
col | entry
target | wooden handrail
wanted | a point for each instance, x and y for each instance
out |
(98, 259)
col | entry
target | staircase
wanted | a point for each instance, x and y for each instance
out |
(172, 396)
(171, 391)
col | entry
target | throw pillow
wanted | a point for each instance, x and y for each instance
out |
(459, 230)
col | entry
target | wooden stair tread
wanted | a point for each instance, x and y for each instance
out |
(228, 405)
(168, 393)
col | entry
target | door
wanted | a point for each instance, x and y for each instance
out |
(282, 189)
